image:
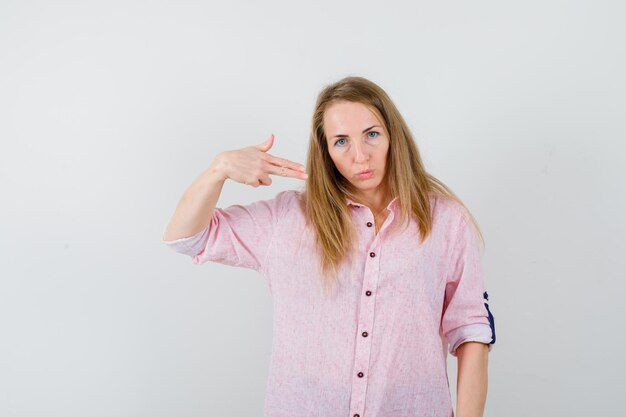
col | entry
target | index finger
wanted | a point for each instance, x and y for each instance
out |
(282, 162)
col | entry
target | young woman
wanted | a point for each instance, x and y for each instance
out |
(374, 268)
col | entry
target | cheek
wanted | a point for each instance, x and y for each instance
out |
(341, 166)
(384, 153)
(344, 168)
(336, 161)
(333, 158)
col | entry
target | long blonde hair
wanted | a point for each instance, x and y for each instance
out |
(326, 190)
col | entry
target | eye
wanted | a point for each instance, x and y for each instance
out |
(373, 131)
(340, 139)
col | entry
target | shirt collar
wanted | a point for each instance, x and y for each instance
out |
(391, 204)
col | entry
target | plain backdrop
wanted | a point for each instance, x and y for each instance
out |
(110, 109)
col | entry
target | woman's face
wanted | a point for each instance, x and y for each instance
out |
(357, 141)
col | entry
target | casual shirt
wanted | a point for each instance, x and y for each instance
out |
(377, 346)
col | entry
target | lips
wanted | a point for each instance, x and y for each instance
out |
(366, 174)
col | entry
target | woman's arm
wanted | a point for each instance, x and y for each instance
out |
(194, 210)
(471, 387)
(251, 165)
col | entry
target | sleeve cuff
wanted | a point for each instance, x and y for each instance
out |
(477, 332)
(191, 245)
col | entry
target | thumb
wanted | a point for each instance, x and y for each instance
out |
(265, 146)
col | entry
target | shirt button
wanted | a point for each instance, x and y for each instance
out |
(369, 224)
(360, 374)
(356, 415)
(368, 293)
(372, 254)
(364, 334)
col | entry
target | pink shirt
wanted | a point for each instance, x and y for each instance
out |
(378, 346)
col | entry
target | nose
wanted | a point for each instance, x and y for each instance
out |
(360, 154)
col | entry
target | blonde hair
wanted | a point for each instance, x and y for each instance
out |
(326, 190)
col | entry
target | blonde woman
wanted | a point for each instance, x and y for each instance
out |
(374, 267)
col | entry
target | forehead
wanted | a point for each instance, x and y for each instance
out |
(345, 116)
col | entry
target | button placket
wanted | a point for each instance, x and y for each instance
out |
(366, 321)
(364, 337)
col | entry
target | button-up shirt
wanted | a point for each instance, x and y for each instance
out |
(376, 346)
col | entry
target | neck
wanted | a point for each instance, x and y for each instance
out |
(376, 200)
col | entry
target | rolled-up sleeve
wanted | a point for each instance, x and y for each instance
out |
(466, 314)
(238, 235)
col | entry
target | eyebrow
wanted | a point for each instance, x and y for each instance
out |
(341, 135)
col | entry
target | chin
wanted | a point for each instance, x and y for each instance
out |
(366, 187)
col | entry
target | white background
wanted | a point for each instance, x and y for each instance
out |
(109, 110)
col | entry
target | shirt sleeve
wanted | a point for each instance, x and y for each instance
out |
(238, 235)
(466, 315)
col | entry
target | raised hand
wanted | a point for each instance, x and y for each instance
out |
(252, 165)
